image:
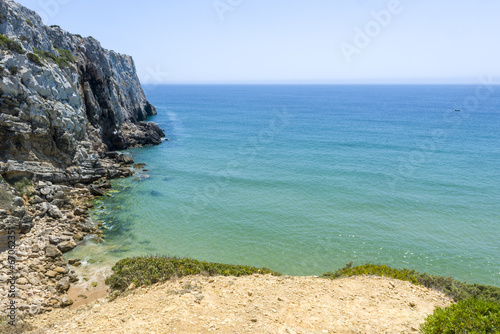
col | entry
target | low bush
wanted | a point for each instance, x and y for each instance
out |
(376, 270)
(29, 22)
(467, 316)
(13, 70)
(65, 55)
(451, 287)
(64, 59)
(7, 43)
(34, 58)
(153, 269)
(22, 185)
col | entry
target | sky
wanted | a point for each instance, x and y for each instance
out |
(292, 41)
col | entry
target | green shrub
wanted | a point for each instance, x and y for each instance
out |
(7, 43)
(22, 185)
(64, 59)
(34, 58)
(66, 55)
(29, 22)
(153, 269)
(14, 70)
(24, 38)
(449, 286)
(372, 269)
(459, 290)
(467, 316)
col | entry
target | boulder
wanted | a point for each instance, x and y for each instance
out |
(54, 212)
(18, 202)
(66, 246)
(63, 285)
(52, 251)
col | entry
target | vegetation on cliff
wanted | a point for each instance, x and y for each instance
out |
(467, 316)
(9, 44)
(477, 309)
(153, 269)
(64, 59)
(451, 287)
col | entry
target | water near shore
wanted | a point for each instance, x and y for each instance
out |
(303, 179)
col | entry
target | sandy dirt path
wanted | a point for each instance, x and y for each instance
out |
(255, 304)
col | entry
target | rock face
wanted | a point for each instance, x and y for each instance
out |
(64, 101)
(65, 105)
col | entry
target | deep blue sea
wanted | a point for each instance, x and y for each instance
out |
(304, 179)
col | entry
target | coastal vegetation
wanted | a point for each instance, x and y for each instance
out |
(477, 308)
(467, 316)
(64, 59)
(22, 185)
(451, 287)
(142, 271)
(13, 70)
(34, 58)
(9, 44)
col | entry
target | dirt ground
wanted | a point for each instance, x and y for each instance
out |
(255, 304)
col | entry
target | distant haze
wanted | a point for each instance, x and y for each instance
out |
(292, 41)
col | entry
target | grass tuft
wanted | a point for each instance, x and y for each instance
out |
(153, 269)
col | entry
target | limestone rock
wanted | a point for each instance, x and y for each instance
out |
(56, 119)
(52, 251)
(18, 202)
(63, 285)
(66, 246)
(54, 212)
(66, 301)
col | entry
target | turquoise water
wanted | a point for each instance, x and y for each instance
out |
(303, 179)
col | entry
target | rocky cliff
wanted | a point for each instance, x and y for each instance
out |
(64, 101)
(66, 104)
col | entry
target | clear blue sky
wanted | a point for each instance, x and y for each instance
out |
(292, 41)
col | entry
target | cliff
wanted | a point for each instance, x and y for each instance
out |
(64, 102)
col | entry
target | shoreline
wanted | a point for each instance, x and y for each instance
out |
(56, 217)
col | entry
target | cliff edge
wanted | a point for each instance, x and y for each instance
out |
(66, 104)
(64, 101)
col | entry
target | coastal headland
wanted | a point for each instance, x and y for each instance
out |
(66, 106)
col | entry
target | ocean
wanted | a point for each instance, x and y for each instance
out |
(304, 179)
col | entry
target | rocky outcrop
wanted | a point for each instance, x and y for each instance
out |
(64, 100)
(66, 104)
